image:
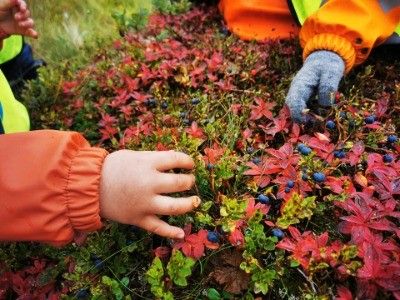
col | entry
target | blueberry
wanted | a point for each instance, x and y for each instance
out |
(164, 105)
(352, 124)
(250, 150)
(287, 190)
(300, 146)
(210, 166)
(224, 31)
(264, 199)
(183, 114)
(392, 139)
(278, 233)
(330, 125)
(387, 158)
(213, 237)
(369, 119)
(151, 102)
(303, 149)
(290, 184)
(339, 154)
(82, 294)
(256, 160)
(304, 177)
(98, 263)
(195, 101)
(343, 115)
(186, 122)
(319, 177)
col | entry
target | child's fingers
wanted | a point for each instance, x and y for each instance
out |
(21, 6)
(157, 226)
(164, 205)
(167, 160)
(29, 23)
(173, 183)
(31, 33)
(21, 16)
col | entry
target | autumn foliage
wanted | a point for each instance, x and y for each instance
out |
(276, 220)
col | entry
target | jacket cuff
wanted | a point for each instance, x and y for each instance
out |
(334, 43)
(83, 189)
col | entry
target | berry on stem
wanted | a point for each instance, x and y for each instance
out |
(319, 177)
(278, 233)
(369, 119)
(392, 139)
(213, 237)
(290, 184)
(264, 199)
(330, 125)
(387, 158)
(339, 154)
(303, 149)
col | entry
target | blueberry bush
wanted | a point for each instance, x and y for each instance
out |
(288, 211)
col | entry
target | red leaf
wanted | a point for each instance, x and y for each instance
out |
(343, 294)
(261, 109)
(355, 153)
(382, 106)
(236, 238)
(195, 131)
(162, 251)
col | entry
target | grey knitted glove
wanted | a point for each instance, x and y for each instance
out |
(322, 72)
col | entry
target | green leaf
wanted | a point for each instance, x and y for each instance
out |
(294, 263)
(295, 209)
(180, 267)
(262, 280)
(125, 281)
(213, 294)
(114, 286)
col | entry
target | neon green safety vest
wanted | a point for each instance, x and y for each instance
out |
(12, 46)
(304, 8)
(13, 114)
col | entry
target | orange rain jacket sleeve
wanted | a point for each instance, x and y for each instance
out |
(49, 186)
(350, 28)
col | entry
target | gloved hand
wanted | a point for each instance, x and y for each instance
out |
(322, 72)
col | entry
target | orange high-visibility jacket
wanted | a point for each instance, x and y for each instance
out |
(49, 180)
(49, 186)
(350, 28)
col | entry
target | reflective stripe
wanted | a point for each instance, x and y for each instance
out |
(15, 116)
(305, 8)
(12, 46)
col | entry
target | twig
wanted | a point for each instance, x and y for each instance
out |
(312, 283)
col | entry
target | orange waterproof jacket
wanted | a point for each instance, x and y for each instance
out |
(350, 28)
(49, 186)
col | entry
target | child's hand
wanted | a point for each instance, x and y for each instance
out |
(133, 185)
(322, 72)
(15, 18)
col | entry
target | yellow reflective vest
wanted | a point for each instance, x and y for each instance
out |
(13, 114)
(12, 46)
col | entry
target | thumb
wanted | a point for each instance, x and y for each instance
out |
(159, 227)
